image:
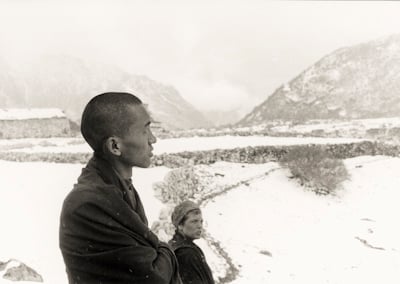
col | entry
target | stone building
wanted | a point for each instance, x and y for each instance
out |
(33, 123)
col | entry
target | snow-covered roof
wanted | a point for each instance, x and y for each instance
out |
(29, 113)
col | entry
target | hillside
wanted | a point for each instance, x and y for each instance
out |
(68, 83)
(361, 81)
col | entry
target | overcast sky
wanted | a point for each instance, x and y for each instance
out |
(218, 54)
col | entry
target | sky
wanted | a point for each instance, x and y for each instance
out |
(220, 55)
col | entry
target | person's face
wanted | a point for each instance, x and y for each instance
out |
(193, 225)
(136, 145)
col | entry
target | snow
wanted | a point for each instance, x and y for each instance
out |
(31, 198)
(333, 75)
(30, 113)
(231, 142)
(273, 230)
(286, 87)
(332, 125)
(77, 145)
(313, 239)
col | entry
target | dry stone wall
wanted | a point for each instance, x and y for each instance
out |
(263, 154)
(253, 155)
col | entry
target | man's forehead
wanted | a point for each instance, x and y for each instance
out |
(139, 113)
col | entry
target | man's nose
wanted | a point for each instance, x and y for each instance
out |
(152, 139)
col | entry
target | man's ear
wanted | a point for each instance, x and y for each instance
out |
(113, 146)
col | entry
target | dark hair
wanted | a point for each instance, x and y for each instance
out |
(106, 115)
(194, 211)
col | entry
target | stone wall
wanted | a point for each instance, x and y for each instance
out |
(263, 154)
(35, 128)
(258, 154)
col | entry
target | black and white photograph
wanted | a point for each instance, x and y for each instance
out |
(203, 142)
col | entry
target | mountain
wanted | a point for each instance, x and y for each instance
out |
(361, 81)
(11, 92)
(69, 83)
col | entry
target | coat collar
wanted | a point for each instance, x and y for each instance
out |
(104, 170)
(108, 174)
(179, 240)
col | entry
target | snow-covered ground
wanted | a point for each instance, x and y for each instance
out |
(274, 231)
(77, 145)
(278, 233)
(328, 125)
(332, 125)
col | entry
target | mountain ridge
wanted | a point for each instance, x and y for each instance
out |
(360, 81)
(69, 83)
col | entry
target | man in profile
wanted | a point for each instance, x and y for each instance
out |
(188, 221)
(104, 234)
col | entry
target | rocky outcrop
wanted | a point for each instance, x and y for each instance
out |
(19, 271)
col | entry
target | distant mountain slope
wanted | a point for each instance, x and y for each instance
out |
(68, 83)
(11, 91)
(361, 81)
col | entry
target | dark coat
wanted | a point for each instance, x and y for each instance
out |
(103, 240)
(193, 267)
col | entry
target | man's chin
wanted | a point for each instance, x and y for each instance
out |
(143, 165)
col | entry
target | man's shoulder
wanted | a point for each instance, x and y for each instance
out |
(90, 188)
(84, 194)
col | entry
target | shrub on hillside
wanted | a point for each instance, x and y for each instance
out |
(315, 168)
(178, 185)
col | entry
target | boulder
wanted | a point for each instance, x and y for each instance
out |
(18, 271)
